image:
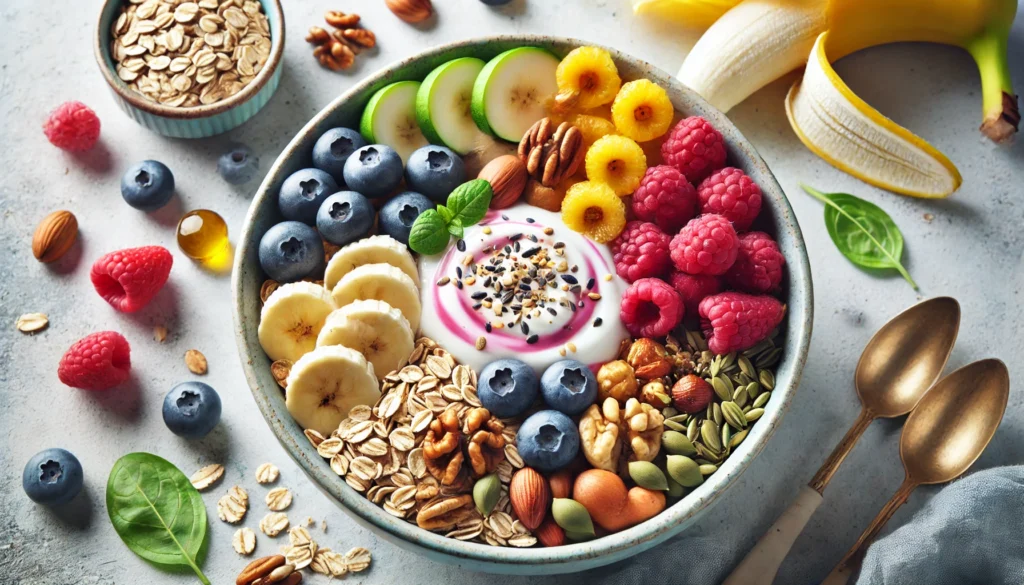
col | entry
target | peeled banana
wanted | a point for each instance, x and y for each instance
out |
(291, 320)
(382, 282)
(755, 42)
(326, 383)
(373, 328)
(371, 250)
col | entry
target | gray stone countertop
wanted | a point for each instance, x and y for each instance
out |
(971, 249)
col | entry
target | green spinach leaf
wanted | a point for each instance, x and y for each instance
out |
(469, 201)
(862, 231)
(429, 234)
(156, 511)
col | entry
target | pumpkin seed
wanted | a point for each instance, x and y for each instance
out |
(726, 435)
(647, 475)
(709, 435)
(693, 430)
(671, 424)
(753, 390)
(767, 379)
(676, 443)
(738, 438)
(723, 387)
(707, 469)
(734, 416)
(740, 396)
(675, 489)
(769, 359)
(754, 414)
(684, 471)
(745, 366)
(486, 492)
(572, 516)
(716, 413)
(762, 399)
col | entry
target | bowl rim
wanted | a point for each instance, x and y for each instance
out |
(101, 51)
(569, 557)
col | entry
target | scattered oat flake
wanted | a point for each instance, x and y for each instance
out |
(929, 217)
(357, 559)
(328, 562)
(195, 361)
(244, 541)
(300, 556)
(323, 525)
(280, 370)
(32, 322)
(207, 476)
(273, 523)
(279, 499)
(160, 333)
(267, 473)
(231, 507)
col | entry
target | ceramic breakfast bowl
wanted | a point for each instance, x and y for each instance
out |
(776, 217)
(199, 121)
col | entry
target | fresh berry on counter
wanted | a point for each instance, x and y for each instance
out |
(435, 171)
(147, 185)
(191, 410)
(705, 245)
(73, 126)
(375, 171)
(290, 250)
(52, 477)
(96, 362)
(568, 386)
(345, 217)
(666, 198)
(642, 110)
(302, 194)
(399, 213)
(594, 210)
(641, 251)
(548, 440)
(759, 264)
(692, 394)
(128, 279)
(650, 308)
(735, 321)
(333, 148)
(202, 234)
(618, 162)
(729, 192)
(507, 387)
(588, 77)
(695, 148)
(693, 288)
(238, 166)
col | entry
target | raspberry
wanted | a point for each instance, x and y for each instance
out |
(589, 72)
(666, 198)
(616, 161)
(594, 210)
(735, 321)
(96, 362)
(642, 110)
(73, 126)
(129, 279)
(641, 251)
(731, 193)
(758, 266)
(706, 245)
(650, 308)
(694, 288)
(695, 148)
(691, 394)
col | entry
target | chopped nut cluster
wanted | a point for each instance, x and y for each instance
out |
(336, 50)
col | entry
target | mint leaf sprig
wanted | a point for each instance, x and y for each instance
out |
(466, 206)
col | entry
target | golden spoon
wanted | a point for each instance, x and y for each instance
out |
(901, 361)
(944, 435)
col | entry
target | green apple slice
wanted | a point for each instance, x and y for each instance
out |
(509, 94)
(390, 118)
(442, 104)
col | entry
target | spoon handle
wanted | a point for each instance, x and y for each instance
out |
(842, 572)
(835, 459)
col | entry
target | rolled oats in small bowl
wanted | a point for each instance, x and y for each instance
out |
(191, 69)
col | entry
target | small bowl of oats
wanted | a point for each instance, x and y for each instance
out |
(191, 69)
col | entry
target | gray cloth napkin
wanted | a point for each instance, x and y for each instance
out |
(971, 532)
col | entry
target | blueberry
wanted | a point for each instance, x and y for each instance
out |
(333, 148)
(374, 171)
(191, 410)
(291, 250)
(397, 215)
(147, 185)
(568, 386)
(548, 440)
(507, 387)
(51, 477)
(345, 217)
(238, 166)
(435, 171)
(302, 194)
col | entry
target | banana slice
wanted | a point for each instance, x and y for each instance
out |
(292, 318)
(382, 282)
(373, 328)
(371, 250)
(326, 383)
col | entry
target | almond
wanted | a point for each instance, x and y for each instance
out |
(561, 484)
(530, 496)
(549, 533)
(411, 10)
(507, 176)
(54, 236)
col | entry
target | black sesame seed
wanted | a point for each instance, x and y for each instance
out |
(461, 245)
(478, 295)
(476, 306)
(525, 328)
(559, 245)
(532, 339)
(487, 282)
(525, 280)
(534, 238)
(458, 284)
(531, 252)
(552, 311)
(570, 279)
(515, 246)
(572, 307)
(507, 249)
(598, 322)
(515, 237)
(487, 326)
(505, 217)
(576, 289)
(458, 271)
(590, 284)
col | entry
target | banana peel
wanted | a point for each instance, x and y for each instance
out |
(755, 42)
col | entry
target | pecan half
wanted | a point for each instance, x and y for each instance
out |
(259, 569)
(339, 19)
(445, 512)
(552, 153)
(317, 36)
(360, 36)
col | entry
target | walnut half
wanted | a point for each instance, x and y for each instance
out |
(599, 435)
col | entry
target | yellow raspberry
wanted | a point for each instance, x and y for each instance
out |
(591, 72)
(592, 128)
(642, 110)
(594, 210)
(618, 162)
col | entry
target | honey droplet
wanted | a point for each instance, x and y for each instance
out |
(202, 234)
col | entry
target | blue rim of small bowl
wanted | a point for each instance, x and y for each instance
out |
(571, 557)
(105, 60)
